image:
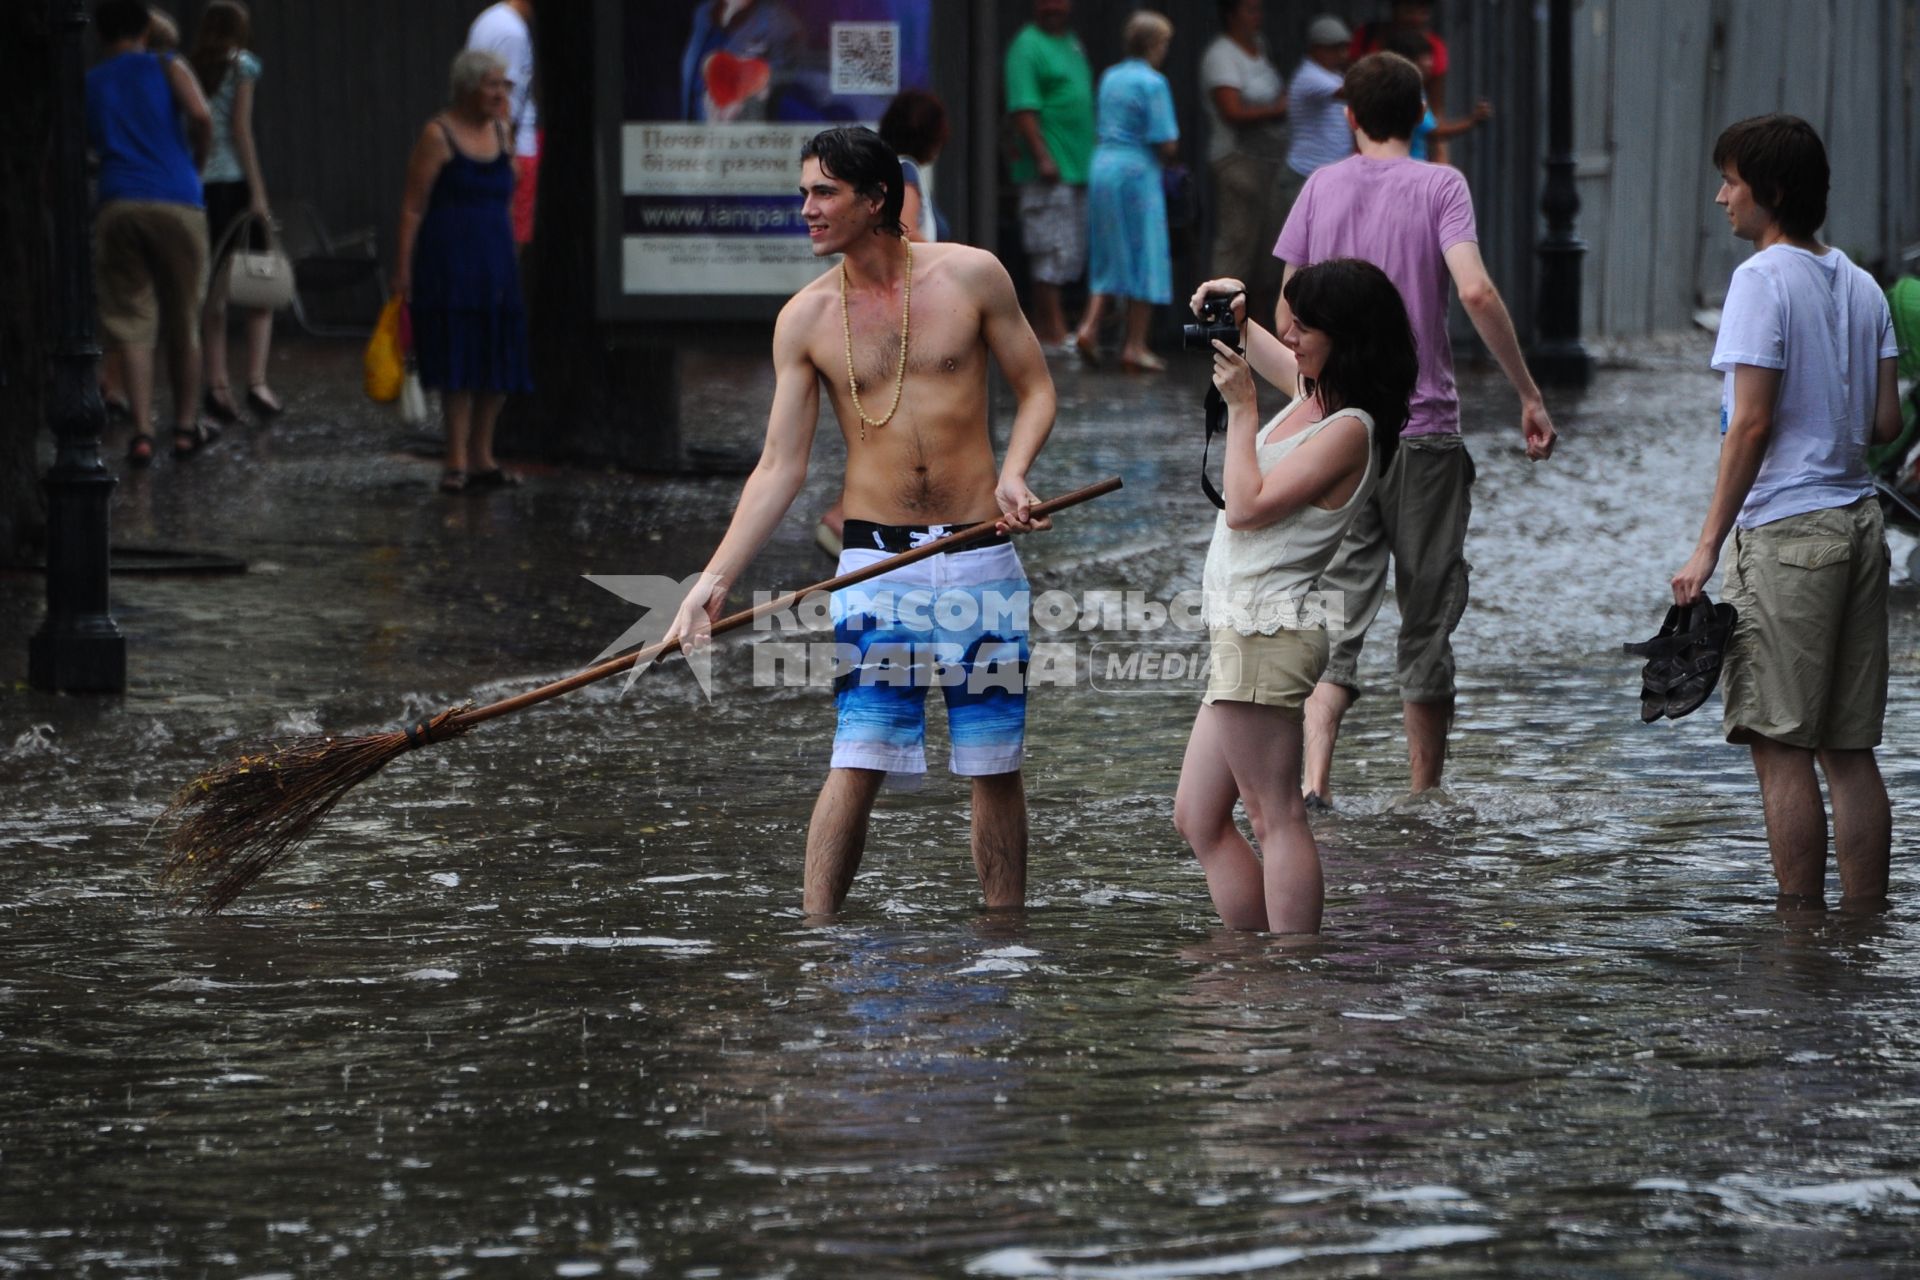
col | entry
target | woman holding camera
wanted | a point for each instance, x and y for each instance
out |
(1292, 489)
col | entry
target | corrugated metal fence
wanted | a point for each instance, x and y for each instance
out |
(1659, 80)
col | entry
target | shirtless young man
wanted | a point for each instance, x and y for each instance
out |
(919, 462)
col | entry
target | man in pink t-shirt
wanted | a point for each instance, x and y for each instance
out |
(1415, 222)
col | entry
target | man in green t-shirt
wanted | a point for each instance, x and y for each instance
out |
(1050, 97)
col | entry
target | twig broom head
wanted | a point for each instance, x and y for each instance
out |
(234, 822)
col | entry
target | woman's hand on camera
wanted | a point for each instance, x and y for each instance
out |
(1225, 284)
(1233, 378)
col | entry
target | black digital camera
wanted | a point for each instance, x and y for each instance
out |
(1216, 321)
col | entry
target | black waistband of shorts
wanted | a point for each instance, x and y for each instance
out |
(896, 538)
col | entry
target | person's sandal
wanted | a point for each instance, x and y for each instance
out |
(1699, 656)
(1660, 672)
(493, 478)
(196, 438)
(118, 410)
(453, 480)
(218, 402)
(140, 450)
(260, 400)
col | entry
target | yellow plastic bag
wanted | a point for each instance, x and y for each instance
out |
(386, 367)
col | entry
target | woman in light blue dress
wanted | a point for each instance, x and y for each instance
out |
(1126, 203)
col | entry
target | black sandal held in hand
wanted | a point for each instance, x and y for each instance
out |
(1698, 657)
(1658, 675)
(1683, 658)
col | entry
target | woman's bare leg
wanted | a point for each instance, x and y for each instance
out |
(486, 413)
(1203, 814)
(458, 408)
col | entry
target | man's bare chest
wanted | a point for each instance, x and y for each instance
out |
(942, 338)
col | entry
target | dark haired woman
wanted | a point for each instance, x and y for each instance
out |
(915, 126)
(1292, 489)
(231, 175)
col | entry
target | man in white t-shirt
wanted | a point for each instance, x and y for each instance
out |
(1806, 343)
(1246, 102)
(505, 30)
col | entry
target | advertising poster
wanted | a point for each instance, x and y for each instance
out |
(719, 96)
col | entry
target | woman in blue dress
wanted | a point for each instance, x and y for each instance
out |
(1126, 203)
(455, 266)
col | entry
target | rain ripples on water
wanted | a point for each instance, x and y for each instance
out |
(541, 1002)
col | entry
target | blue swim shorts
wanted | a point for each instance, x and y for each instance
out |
(957, 620)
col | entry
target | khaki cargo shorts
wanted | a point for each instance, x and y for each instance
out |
(1807, 664)
(1418, 514)
(150, 271)
(1277, 671)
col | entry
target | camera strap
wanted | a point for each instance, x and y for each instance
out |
(1216, 425)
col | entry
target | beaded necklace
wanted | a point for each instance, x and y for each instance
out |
(899, 374)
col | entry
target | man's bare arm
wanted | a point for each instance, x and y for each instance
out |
(1011, 340)
(1748, 429)
(1027, 125)
(1495, 327)
(1886, 408)
(775, 481)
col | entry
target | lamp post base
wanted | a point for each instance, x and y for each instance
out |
(82, 660)
(1561, 364)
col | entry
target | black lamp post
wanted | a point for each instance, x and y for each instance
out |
(78, 649)
(1558, 357)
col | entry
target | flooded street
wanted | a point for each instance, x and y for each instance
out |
(541, 1002)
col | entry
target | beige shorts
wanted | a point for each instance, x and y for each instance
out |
(1419, 515)
(1277, 671)
(150, 271)
(1807, 665)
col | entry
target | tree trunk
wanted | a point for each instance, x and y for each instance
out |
(601, 396)
(26, 91)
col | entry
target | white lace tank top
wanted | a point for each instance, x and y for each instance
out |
(1257, 581)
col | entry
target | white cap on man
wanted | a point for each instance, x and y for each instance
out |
(1327, 29)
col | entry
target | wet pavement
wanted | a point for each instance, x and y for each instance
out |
(540, 1002)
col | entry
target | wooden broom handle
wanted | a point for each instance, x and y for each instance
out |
(463, 720)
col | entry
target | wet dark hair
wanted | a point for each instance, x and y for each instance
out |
(1384, 92)
(117, 20)
(915, 125)
(856, 156)
(1784, 162)
(1373, 363)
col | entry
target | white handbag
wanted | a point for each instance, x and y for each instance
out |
(413, 398)
(257, 279)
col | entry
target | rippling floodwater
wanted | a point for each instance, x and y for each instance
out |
(540, 1002)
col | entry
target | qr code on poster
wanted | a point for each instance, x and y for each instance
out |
(866, 57)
